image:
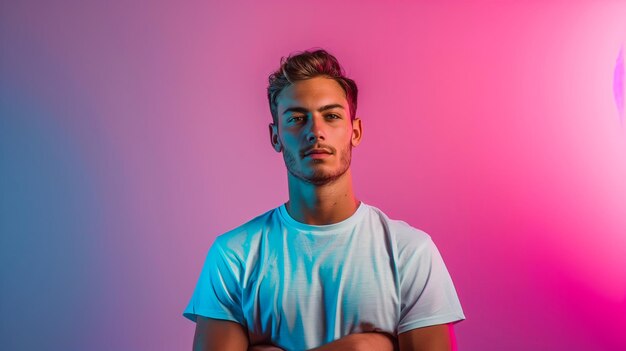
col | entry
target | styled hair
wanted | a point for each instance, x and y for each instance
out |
(306, 65)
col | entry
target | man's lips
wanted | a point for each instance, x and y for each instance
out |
(317, 153)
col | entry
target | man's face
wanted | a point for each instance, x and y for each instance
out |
(314, 130)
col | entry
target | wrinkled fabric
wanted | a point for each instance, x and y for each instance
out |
(300, 286)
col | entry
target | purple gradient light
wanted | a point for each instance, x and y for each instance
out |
(132, 135)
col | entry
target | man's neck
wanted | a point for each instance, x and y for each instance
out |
(321, 204)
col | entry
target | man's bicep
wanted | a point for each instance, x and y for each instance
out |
(433, 338)
(216, 334)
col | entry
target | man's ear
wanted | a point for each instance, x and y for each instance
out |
(357, 132)
(274, 139)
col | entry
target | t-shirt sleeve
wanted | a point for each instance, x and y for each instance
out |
(218, 291)
(428, 296)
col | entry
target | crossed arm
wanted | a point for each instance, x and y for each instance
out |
(214, 334)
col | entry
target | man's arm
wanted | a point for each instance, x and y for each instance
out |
(352, 342)
(360, 342)
(434, 338)
(215, 334)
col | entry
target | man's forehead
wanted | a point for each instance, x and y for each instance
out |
(312, 94)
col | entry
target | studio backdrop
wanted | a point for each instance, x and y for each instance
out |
(132, 133)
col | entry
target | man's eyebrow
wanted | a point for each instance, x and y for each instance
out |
(321, 109)
(296, 109)
(330, 107)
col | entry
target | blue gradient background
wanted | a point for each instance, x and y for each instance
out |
(134, 132)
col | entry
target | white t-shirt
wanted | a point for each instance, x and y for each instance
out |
(300, 286)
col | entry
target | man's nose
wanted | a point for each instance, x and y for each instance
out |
(316, 129)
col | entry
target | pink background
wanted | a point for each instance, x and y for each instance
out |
(134, 132)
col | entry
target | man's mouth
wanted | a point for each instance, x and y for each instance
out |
(318, 152)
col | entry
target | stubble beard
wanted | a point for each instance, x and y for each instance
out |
(319, 177)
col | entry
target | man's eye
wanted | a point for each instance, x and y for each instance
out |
(333, 116)
(297, 118)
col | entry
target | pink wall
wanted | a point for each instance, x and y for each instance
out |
(133, 132)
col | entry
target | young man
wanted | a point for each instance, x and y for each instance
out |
(323, 271)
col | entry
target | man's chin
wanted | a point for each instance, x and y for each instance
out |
(317, 178)
(322, 180)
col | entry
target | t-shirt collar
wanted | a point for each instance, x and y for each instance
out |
(345, 224)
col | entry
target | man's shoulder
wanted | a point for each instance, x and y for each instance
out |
(404, 233)
(250, 231)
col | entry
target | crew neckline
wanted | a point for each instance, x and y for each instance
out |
(348, 222)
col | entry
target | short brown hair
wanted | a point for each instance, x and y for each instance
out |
(306, 65)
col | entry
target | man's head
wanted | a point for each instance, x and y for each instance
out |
(313, 110)
(307, 65)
